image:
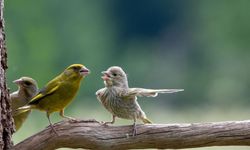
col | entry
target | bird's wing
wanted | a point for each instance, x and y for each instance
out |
(49, 89)
(99, 93)
(148, 92)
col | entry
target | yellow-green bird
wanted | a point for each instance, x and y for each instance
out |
(27, 89)
(59, 92)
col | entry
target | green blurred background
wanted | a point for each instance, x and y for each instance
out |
(199, 45)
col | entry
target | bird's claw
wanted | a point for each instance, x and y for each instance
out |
(134, 132)
(90, 120)
(72, 120)
(52, 129)
(105, 123)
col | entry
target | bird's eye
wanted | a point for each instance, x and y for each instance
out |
(27, 83)
(114, 74)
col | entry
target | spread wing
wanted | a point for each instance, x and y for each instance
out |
(148, 92)
(99, 93)
(49, 89)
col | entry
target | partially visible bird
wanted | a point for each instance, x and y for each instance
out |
(120, 100)
(27, 89)
(59, 92)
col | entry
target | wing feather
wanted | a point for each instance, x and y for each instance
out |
(148, 92)
(44, 93)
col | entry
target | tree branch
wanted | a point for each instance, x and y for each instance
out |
(92, 135)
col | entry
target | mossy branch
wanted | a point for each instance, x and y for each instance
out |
(92, 135)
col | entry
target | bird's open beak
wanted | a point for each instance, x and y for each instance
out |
(84, 71)
(18, 81)
(105, 76)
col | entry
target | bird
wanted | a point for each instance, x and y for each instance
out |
(58, 93)
(27, 89)
(121, 101)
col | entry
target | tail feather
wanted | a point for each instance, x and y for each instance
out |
(155, 92)
(146, 121)
(168, 90)
(22, 109)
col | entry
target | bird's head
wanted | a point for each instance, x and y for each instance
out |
(27, 84)
(76, 71)
(115, 76)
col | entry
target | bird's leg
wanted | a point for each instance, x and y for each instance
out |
(134, 128)
(110, 122)
(74, 119)
(61, 113)
(48, 114)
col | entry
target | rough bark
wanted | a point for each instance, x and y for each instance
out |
(163, 136)
(6, 123)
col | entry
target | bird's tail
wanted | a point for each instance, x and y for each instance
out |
(156, 91)
(151, 92)
(168, 90)
(22, 109)
(146, 121)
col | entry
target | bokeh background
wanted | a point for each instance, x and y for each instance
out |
(199, 45)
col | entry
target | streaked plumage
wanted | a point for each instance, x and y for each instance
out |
(120, 100)
(27, 88)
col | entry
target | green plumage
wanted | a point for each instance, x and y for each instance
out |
(58, 93)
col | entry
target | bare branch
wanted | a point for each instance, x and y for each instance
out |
(93, 135)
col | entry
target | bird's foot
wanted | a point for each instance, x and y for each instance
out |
(70, 119)
(89, 120)
(134, 131)
(73, 120)
(53, 129)
(106, 123)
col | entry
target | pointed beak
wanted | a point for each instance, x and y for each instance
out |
(84, 71)
(18, 81)
(105, 76)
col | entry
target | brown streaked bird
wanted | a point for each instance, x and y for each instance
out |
(120, 100)
(27, 89)
(58, 93)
